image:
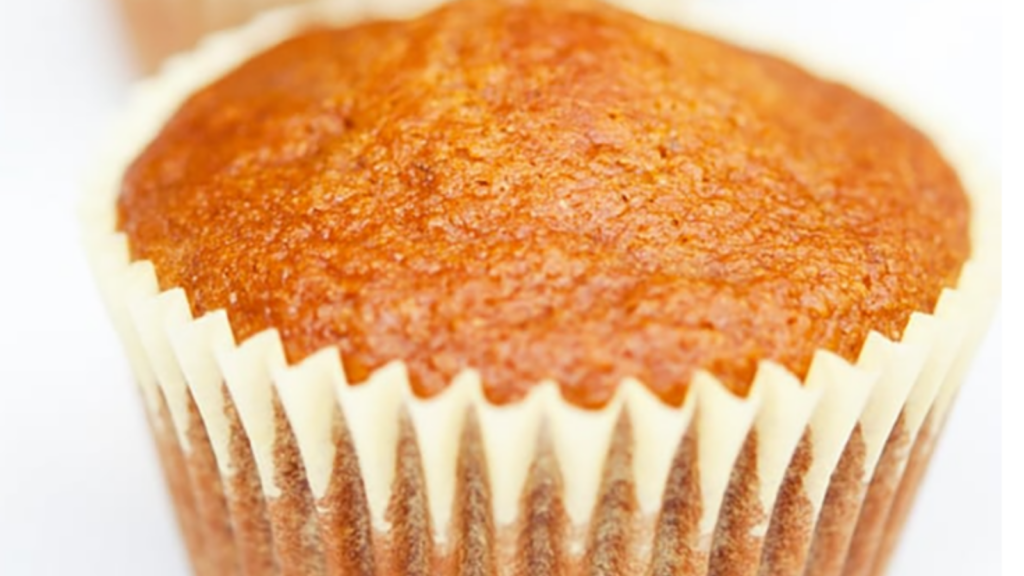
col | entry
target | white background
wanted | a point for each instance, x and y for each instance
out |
(80, 493)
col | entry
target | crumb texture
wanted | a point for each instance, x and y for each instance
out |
(545, 190)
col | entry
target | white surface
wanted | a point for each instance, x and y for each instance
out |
(80, 492)
(1013, 332)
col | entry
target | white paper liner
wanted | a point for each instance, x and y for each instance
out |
(177, 359)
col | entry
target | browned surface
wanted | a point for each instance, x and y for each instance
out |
(545, 190)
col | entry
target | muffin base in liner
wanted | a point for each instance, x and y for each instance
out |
(288, 469)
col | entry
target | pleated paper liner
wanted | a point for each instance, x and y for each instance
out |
(279, 469)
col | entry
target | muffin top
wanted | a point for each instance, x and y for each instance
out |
(545, 191)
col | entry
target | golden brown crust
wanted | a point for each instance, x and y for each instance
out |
(545, 191)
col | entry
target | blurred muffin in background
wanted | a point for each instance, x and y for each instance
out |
(159, 28)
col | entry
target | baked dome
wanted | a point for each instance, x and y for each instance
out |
(545, 190)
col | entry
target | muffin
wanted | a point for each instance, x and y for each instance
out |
(535, 288)
(160, 28)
